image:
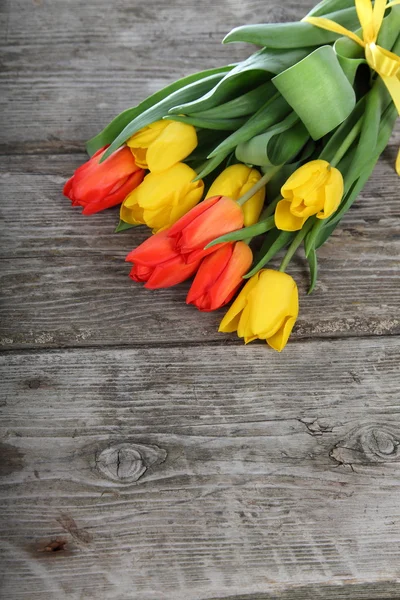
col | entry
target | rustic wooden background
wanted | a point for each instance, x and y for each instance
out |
(144, 455)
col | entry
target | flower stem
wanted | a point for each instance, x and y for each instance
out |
(295, 244)
(263, 181)
(347, 142)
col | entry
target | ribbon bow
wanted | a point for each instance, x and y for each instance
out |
(385, 63)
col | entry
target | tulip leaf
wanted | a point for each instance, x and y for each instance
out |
(389, 31)
(313, 265)
(117, 125)
(203, 123)
(329, 6)
(278, 145)
(318, 91)
(248, 74)
(268, 250)
(244, 233)
(293, 35)
(123, 226)
(351, 56)
(210, 165)
(246, 104)
(160, 110)
(272, 112)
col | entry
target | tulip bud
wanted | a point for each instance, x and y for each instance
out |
(219, 276)
(162, 198)
(157, 264)
(97, 186)
(234, 182)
(162, 144)
(266, 308)
(316, 188)
(210, 219)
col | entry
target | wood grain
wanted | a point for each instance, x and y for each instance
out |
(71, 67)
(238, 487)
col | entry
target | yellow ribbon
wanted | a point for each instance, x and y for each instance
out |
(385, 63)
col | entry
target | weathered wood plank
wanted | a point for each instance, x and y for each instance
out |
(55, 302)
(71, 67)
(37, 216)
(167, 476)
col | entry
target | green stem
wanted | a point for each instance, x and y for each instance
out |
(260, 184)
(347, 142)
(295, 244)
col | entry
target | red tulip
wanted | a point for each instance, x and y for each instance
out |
(220, 276)
(202, 224)
(157, 263)
(98, 186)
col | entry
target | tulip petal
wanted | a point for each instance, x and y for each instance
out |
(279, 340)
(169, 274)
(285, 219)
(274, 299)
(333, 194)
(173, 145)
(231, 320)
(303, 176)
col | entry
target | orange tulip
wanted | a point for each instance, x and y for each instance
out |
(220, 276)
(98, 186)
(156, 263)
(208, 220)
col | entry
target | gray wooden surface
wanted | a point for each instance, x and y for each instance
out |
(144, 455)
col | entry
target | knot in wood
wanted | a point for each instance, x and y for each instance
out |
(382, 443)
(126, 463)
(370, 445)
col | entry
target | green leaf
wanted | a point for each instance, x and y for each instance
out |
(248, 74)
(318, 91)
(215, 124)
(329, 6)
(313, 264)
(122, 226)
(244, 105)
(118, 124)
(293, 35)
(244, 233)
(279, 144)
(351, 56)
(389, 31)
(273, 111)
(160, 110)
(268, 251)
(210, 165)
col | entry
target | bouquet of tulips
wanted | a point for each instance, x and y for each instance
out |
(276, 147)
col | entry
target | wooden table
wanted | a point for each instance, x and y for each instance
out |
(144, 455)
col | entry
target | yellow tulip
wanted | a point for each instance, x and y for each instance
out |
(266, 308)
(162, 144)
(162, 198)
(316, 188)
(234, 182)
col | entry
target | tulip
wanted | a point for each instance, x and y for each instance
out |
(316, 188)
(162, 198)
(266, 308)
(97, 186)
(220, 276)
(214, 217)
(161, 145)
(156, 263)
(235, 182)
